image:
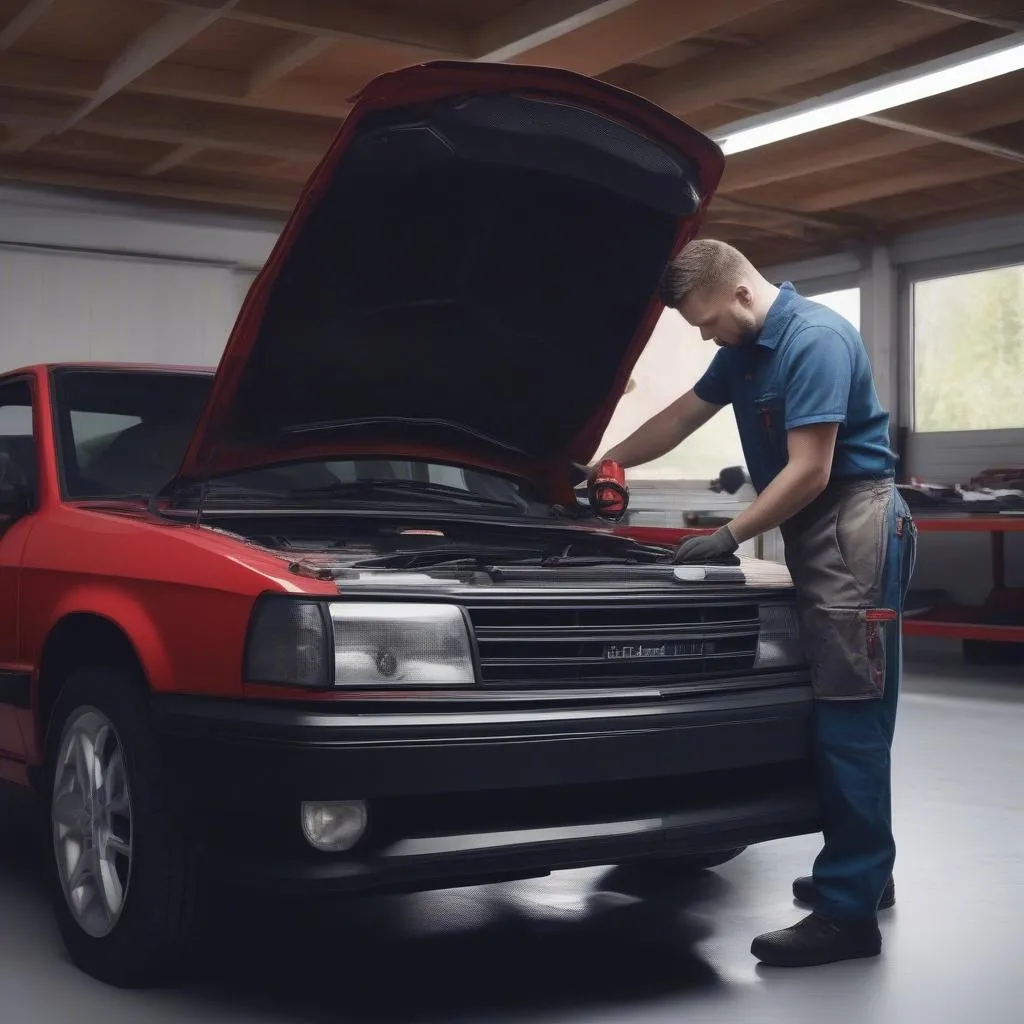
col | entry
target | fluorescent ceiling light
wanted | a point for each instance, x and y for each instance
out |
(978, 64)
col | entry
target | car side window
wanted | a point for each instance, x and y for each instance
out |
(18, 462)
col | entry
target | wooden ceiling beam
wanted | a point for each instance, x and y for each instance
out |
(538, 23)
(306, 97)
(342, 19)
(78, 78)
(803, 157)
(944, 172)
(244, 131)
(781, 228)
(180, 122)
(288, 58)
(160, 40)
(844, 224)
(25, 19)
(761, 169)
(970, 208)
(50, 74)
(893, 211)
(38, 173)
(154, 45)
(630, 31)
(844, 36)
(950, 138)
(1012, 24)
(179, 155)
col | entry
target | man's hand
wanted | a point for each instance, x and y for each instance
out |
(706, 548)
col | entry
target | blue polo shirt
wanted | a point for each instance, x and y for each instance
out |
(808, 365)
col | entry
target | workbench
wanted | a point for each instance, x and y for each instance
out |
(976, 626)
(659, 506)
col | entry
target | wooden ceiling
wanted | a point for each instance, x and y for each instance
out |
(231, 103)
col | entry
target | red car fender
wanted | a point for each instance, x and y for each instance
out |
(124, 611)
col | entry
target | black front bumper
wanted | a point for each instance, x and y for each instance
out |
(455, 798)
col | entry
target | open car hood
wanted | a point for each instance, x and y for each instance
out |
(469, 275)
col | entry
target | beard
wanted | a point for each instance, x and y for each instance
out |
(745, 331)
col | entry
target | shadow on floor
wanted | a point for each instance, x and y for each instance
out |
(574, 941)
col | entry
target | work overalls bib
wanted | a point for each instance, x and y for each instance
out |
(851, 554)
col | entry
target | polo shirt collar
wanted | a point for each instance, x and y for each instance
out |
(778, 317)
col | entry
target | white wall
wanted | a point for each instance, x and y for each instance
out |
(67, 307)
(84, 279)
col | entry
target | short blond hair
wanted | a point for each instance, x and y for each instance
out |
(704, 264)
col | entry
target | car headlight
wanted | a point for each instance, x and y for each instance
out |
(778, 641)
(401, 645)
(293, 642)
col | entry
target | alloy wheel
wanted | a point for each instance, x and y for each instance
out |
(91, 815)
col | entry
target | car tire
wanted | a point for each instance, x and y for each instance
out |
(124, 867)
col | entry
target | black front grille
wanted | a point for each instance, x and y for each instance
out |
(605, 644)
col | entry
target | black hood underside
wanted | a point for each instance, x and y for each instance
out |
(474, 267)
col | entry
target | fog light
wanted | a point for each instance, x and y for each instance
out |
(333, 826)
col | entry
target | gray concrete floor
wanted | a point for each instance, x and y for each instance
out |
(602, 946)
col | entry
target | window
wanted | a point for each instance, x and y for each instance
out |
(674, 360)
(968, 338)
(18, 467)
(124, 432)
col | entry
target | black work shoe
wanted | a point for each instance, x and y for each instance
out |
(806, 892)
(816, 941)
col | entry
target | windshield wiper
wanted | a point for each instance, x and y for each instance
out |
(491, 558)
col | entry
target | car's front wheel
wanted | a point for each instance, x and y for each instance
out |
(125, 870)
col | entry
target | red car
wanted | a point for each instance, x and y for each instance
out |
(334, 617)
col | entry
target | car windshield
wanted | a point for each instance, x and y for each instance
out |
(125, 432)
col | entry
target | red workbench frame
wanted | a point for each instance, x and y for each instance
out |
(962, 623)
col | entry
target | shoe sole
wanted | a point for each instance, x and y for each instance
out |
(773, 961)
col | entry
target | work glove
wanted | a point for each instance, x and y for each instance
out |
(719, 546)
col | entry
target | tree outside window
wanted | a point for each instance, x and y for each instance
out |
(969, 351)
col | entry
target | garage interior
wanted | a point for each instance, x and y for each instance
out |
(150, 152)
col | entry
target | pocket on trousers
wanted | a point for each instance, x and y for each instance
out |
(861, 536)
(851, 653)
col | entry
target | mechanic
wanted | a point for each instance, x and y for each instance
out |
(816, 443)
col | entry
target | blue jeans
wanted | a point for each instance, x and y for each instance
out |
(853, 743)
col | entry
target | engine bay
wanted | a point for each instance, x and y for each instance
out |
(370, 544)
(411, 550)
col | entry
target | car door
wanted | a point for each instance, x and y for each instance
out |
(18, 499)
